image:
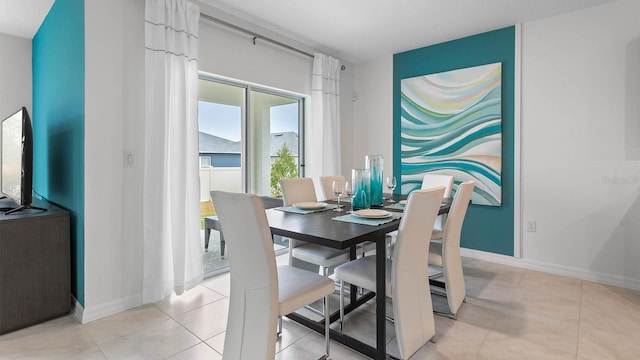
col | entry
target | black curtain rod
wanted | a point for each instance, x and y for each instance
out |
(255, 35)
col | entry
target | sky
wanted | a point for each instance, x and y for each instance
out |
(224, 120)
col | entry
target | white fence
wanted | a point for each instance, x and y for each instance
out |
(226, 179)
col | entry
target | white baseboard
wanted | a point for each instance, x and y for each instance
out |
(577, 273)
(76, 309)
(84, 315)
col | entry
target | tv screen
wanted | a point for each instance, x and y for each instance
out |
(17, 158)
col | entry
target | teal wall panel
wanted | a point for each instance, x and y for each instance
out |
(486, 228)
(58, 121)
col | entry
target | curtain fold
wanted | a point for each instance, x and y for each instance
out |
(324, 134)
(172, 254)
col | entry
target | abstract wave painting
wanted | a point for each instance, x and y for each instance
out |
(451, 123)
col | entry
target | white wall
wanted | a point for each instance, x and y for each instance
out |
(15, 74)
(581, 141)
(372, 131)
(232, 54)
(580, 112)
(114, 125)
(114, 114)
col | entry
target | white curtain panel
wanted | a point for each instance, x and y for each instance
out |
(324, 135)
(172, 250)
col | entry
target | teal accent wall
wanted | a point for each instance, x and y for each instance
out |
(58, 121)
(486, 228)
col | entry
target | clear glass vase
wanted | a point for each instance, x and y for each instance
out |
(375, 164)
(360, 180)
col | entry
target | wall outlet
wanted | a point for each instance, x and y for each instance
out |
(531, 225)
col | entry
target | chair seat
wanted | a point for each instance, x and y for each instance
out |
(438, 227)
(435, 271)
(320, 255)
(298, 288)
(435, 253)
(362, 273)
(365, 247)
(437, 233)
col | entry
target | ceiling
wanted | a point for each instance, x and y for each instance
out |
(360, 30)
(354, 30)
(23, 17)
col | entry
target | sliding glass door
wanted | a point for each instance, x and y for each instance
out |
(274, 141)
(250, 137)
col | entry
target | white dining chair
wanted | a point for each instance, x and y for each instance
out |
(406, 281)
(261, 291)
(429, 181)
(434, 180)
(326, 183)
(302, 190)
(444, 256)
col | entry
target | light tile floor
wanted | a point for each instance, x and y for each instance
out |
(510, 313)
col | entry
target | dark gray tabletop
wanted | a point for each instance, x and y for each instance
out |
(319, 228)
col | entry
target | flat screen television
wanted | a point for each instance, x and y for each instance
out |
(16, 158)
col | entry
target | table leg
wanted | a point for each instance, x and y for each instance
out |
(223, 244)
(353, 290)
(381, 343)
(380, 350)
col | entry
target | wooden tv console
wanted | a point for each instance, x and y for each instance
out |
(35, 271)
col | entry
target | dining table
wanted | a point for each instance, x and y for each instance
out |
(321, 227)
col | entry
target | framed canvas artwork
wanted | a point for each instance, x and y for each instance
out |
(451, 123)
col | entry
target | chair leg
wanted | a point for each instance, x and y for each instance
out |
(279, 328)
(341, 304)
(322, 271)
(327, 320)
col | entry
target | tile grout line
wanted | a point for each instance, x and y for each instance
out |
(579, 318)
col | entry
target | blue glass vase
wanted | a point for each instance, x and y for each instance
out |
(360, 180)
(375, 164)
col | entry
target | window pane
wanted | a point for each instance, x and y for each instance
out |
(244, 148)
(220, 113)
(274, 141)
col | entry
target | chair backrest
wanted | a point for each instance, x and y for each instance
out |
(451, 260)
(412, 308)
(254, 303)
(270, 202)
(326, 183)
(297, 190)
(294, 191)
(434, 180)
(457, 212)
